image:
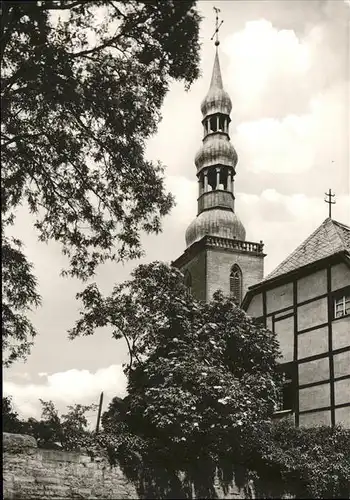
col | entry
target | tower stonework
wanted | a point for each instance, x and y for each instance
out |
(217, 254)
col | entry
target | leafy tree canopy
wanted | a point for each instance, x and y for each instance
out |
(197, 374)
(202, 385)
(82, 84)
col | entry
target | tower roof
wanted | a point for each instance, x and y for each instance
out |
(216, 79)
(216, 163)
(328, 239)
(215, 222)
(215, 150)
(217, 99)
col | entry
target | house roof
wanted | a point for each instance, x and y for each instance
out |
(328, 239)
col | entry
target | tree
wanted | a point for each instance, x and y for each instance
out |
(18, 296)
(198, 374)
(82, 84)
(10, 419)
(202, 386)
(48, 430)
(68, 431)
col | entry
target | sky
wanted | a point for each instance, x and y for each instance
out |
(286, 67)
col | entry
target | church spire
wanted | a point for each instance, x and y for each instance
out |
(216, 79)
(217, 100)
(217, 253)
(216, 165)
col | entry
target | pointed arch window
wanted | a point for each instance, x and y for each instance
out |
(188, 282)
(236, 283)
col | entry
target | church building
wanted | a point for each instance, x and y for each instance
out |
(305, 300)
(218, 254)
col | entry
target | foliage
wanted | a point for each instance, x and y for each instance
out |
(202, 385)
(197, 374)
(18, 296)
(10, 419)
(308, 462)
(69, 431)
(82, 84)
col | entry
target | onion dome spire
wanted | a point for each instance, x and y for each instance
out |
(217, 100)
(216, 163)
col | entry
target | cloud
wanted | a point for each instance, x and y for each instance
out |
(262, 51)
(280, 220)
(186, 193)
(266, 69)
(67, 388)
(275, 72)
(22, 376)
(180, 131)
(290, 95)
(297, 143)
(277, 146)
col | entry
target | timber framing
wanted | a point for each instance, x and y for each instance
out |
(301, 272)
(326, 324)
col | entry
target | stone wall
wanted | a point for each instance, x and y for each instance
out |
(37, 474)
(220, 262)
(31, 472)
(196, 267)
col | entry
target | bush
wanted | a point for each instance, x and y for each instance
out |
(307, 462)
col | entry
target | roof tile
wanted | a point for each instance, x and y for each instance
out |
(329, 238)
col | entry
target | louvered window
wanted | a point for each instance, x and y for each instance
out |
(236, 283)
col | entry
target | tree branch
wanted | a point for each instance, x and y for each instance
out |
(136, 356)
(129, 348)
(107, 43)
(50, 5)
(54, 186)
(13, 14)
(118, 10)
(6, 83)
(17, 138)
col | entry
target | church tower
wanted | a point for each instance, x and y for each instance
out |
(217, 254)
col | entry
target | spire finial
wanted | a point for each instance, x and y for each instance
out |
(329, 196)
(217, 27)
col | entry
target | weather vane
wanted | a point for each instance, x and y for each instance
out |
(217, 27)
(328, 200)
